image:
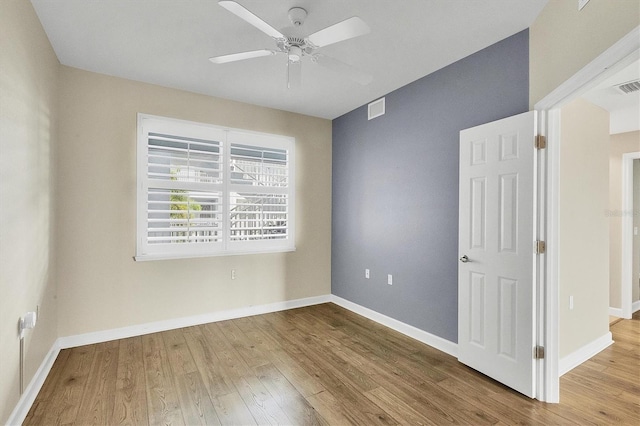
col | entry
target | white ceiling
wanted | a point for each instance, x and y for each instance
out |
(168, 42)
(624, 109)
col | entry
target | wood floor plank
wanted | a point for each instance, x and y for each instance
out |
(232, 365)
(99, 393)
(611, 409)
(397, 408)
(356, 406)
(319, 365)
(232, 410)
(197, 408)
(130, 406)
(248, 349)
(65, 403)
(162, 401)
(413, 378)
(193, 396)
(330, 409)
(260, 402)
(302, 380)
(38, 410)
(208, 364)
(509, 407)
(321, 354)
(287, 396)
(256, 397)
(178, 353)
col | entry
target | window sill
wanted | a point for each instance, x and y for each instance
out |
(152, 257)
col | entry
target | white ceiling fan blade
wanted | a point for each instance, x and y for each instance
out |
(243, 13)
(343, 69)
(349, 28)
(294, 74)
(241, 56)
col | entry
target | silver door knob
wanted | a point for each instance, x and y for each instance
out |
(464, 259)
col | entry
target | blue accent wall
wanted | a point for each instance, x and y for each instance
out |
(395, 185)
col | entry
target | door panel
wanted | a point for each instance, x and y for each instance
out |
(496, 285)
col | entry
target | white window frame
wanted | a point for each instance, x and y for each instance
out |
(226, 136)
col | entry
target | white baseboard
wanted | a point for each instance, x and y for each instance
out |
(635, 306)
(26, 400)
(615, 312)
(576, 358)
(406, 329)
(29, 395)
(172, 324)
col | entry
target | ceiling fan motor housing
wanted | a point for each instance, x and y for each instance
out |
(297, 15)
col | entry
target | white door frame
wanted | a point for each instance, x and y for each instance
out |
(616, 57)
(627, 278)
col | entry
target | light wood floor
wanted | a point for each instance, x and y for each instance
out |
(316, 365)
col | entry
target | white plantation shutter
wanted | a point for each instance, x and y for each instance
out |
(204, 190)
(259, 186)
(258, 217)
(179, 216)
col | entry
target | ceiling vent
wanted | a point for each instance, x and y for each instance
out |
(628, 87)
(376, 108)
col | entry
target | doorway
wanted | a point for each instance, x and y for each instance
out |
(620, 55)
(619, 95)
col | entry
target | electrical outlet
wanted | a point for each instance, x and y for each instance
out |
(571, 303)
(233, 274)
(390, 279)
(366, 274)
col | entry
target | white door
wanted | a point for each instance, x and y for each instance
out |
(496, 283)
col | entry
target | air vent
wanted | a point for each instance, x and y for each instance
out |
(376, 108)
(629, 87)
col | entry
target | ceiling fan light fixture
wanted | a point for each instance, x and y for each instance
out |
(295, 54)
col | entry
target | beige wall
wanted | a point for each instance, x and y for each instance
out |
(635, 296)
(28, 74)
(100, 285)
(620, 144)
(583, 225)
(563, 40)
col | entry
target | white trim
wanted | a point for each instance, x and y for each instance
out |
(30, 393)
(635, 307)
(576, 358)
(152, 257)
(615, 312)
(549, 389)
(171, 324)
(626, 275)
(618, 55)
(28, 397)
(408, 330)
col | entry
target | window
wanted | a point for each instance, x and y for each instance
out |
(204, 190)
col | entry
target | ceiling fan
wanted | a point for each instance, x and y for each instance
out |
(292, 43)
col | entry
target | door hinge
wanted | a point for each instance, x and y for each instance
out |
(541, 142)
(538, 352)
(540, 247)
